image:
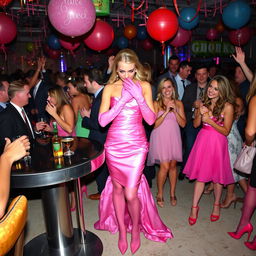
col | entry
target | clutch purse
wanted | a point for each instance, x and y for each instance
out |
(245, 158)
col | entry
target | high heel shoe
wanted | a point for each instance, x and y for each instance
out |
(173, 200)
(246, 229)
(135, 241)
(214, 217)
(160, 201)
(192, 221)
(122, 243)
(251, 245)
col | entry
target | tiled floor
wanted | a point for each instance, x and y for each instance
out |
(203, 239)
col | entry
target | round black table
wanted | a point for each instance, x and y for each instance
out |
(51, 176)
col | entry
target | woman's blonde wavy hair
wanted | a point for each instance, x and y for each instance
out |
(128, 56)
(226, 94)
(159, 97)
(252, 90)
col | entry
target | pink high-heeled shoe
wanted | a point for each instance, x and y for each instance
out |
(192, 221)
(246, 229)
(122, 243)
(251, 245)
(135, 241)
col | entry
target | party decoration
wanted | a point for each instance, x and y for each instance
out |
(162, 24)
(142, 33)
(240, 36)
(71, 18)
(130, 31)
(53, 54)
(53, 42)
(8, 29)
(236, 14)
(212, 34)
(181, 37)
(4, 3)
(69, 43)
(30, 47)
(122, 42)
(220, 26)
(206, 48)
(147, 44)
(101, 7)
(100, 37)
(188, 18)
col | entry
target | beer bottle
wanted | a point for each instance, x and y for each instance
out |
(56, 142)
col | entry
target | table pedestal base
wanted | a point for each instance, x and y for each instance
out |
(92, 247)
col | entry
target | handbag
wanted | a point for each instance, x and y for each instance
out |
(245, 158)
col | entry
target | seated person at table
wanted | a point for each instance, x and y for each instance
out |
(61, 111)
(14, 120)
(12, 152)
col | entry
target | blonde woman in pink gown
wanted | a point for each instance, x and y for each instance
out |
(126, 203)
(165, 140)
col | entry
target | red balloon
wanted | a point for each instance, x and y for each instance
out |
(240, 36)
(130, 31)
(53, 54)
(147, 44)
(8, 29)
(4, 3)
(212, 34)
(100, 37)
(69, 43)
(181, 38)
(162, 24)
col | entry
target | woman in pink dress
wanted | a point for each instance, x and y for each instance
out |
(209, 158)
(165, 140)
(126, 203)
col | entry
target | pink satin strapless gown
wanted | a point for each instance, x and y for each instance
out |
(126, 149)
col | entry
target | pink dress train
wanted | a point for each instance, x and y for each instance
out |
(209, 158)
(126, 149)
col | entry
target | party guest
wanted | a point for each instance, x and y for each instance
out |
(126, 100)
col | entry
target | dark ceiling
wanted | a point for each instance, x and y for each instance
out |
(33, 24)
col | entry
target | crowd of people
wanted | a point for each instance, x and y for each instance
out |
(141, 124)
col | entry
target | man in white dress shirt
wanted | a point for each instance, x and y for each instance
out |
(182, 82)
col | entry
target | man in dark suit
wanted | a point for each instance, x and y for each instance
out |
(39, 83)
(192, 99)
(4, 98)
(93, 82)
(13, 119)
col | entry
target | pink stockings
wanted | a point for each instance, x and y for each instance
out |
(248, 207)
(120, 194)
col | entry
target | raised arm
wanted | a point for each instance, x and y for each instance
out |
(107, 115)
(240, 59)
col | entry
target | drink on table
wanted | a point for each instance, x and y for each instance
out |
(67, 142)
(56, 142)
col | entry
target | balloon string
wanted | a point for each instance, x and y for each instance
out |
(196, 14)
(163, 48)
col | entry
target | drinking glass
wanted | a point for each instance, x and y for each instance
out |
(67, 143)
(43, 119)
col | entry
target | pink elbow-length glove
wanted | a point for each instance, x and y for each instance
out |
(135, 90)
(108, 116)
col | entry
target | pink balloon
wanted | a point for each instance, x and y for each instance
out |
(100, 37)
(69, 43)
(240, 36)
(72, 17)
(8, 29)
(147, 44)
(181, 37)
(212, 34)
